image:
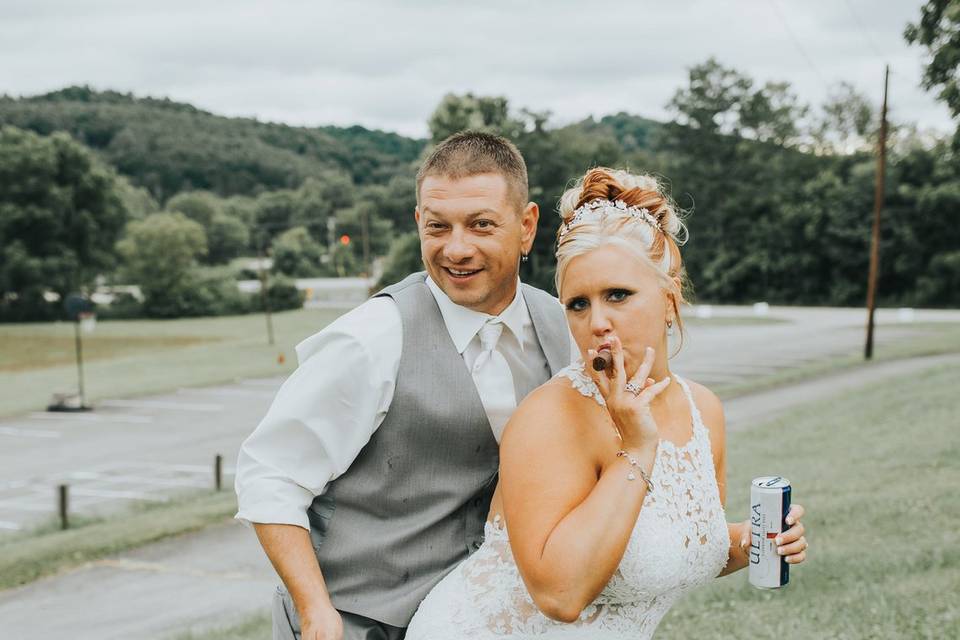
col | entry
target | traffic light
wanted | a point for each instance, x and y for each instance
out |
(344, 239)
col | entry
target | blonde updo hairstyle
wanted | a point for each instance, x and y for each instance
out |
(658, 248)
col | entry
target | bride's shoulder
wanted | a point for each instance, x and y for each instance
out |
(554, 409)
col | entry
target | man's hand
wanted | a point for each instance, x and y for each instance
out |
(321, 623)
(291, 553)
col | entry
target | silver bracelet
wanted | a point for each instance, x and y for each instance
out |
(636, 464)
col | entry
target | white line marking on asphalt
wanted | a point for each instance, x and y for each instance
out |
(261, 382)
(28, 433)
(9, 526)
(26, 506)
(243, 393)
(156, 567)
(162, 482)
(108, 493)
(186, 468)
(158, 404)
(13, 484)
(91, 417)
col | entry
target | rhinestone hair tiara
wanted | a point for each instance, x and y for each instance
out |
(596, 209)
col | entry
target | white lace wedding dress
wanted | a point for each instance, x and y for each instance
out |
(680, 541)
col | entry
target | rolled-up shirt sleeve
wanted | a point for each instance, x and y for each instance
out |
(322, 416)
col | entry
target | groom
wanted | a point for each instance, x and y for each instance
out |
(371, 475)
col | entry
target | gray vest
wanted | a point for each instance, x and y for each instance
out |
(413, 503)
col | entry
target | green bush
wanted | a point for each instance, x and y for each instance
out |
(29, 306)
(124, 306)
(282, 294)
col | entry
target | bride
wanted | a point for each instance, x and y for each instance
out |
(610, 503)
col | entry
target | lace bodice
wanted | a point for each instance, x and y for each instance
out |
(680, 540)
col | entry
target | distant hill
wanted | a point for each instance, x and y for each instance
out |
(632, 133)
(168, 146)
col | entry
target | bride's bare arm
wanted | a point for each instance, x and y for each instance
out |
(568, 502)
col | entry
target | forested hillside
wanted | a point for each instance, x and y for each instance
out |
(169, 147)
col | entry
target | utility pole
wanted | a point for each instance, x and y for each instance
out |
(365, 232)
(877, 206)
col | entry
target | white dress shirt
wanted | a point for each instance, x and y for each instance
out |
(328, 409)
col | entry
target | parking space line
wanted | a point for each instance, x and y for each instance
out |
(91, 417)
(260, 382)
(26, 506)
(226, 393)
(159, 404)
(187, 468)
(28, 433)
(110, 493)
(161, 482)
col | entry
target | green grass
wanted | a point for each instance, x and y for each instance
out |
(257, 627)
(137, 357)
(933, 338)
(878, 472)
(27, 556)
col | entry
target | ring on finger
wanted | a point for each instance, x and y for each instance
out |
(633, 388)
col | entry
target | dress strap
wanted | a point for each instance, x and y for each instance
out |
(694, 411)
(582, 382)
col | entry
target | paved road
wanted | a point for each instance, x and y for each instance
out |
(218, 576)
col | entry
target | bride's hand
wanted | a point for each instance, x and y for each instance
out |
(630, 411)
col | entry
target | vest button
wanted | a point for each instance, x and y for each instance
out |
(476, 544)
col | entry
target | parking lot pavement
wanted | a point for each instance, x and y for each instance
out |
(125, 451)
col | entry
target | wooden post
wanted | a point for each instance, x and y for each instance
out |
(79, 348)
(265, 299)
(64, 494)
(218, 472)
(877, 206)
(365, 231)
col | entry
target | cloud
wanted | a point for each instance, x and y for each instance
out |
(387, 64)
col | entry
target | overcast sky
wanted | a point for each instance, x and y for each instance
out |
(387, 64)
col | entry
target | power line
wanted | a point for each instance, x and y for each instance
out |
(796, 42)
(862, 29)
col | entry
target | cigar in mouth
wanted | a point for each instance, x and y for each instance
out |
(602, 359)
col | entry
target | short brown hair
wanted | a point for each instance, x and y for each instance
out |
(471, 153)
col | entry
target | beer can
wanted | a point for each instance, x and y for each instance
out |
(769, 506)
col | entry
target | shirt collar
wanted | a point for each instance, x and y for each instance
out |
(463, 323)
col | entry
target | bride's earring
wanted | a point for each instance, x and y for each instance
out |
(669, 327)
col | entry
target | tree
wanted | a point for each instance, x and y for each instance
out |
(847, 124)
(479, 113)
(713, 98)
(939, 31)
(403, 259)
(295, 253)
(227, 238)
(60, 215)
(199, 206)
(136, 200)
(160, 254)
